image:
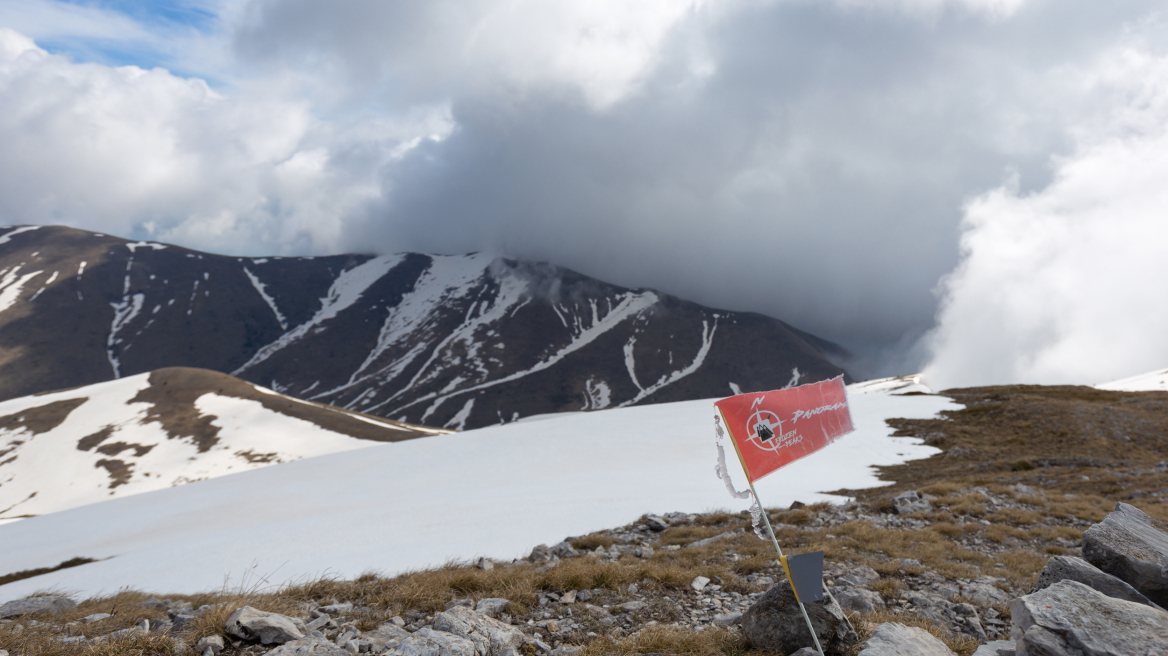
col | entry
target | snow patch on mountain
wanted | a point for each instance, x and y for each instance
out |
(81, 446)
(1148, 382)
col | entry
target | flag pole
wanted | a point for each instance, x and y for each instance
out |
(771, 532)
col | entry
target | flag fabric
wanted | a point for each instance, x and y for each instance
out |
(773, 429)
(805, 573)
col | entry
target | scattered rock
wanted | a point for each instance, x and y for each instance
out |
(1072, 619)
(428, 642)
(214, 643)
(699, 583)
(1132, 546)
(492, 606)
(540, 553)
(337, 609)
(490, 636)
(775, 623)
(483, 563)
(997, 647)
(568, 597)
(656, 523)
(251, 625)
(310, 646)
(96, 617)
(910, 502)
(893, 639)
(1069, 568)
(48, 603)
(727, 619)
(859, 600)
(806, 651)
(386, 636)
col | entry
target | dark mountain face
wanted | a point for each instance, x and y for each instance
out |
(455, 341)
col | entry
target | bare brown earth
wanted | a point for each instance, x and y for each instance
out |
(1022, 472)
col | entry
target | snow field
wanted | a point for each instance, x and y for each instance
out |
(492, 492)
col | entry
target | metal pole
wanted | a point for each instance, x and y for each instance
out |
(770, 531)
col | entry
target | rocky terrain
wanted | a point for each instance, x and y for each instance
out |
(449, 341)
(1008, 541)
(1104, 605)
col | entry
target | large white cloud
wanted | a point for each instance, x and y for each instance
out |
(804, 159)
(1066, 285)
(126, 150)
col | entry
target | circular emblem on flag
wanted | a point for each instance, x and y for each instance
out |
(762, 427)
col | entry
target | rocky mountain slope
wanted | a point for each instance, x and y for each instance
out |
(170, 427)
(457, 341)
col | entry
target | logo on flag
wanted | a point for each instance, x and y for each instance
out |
(773, 429)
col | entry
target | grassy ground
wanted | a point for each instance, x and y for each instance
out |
(1023, 471)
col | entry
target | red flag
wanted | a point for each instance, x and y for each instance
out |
(773, 429)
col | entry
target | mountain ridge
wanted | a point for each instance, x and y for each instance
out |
(447, 340)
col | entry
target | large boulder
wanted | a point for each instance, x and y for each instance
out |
(893, 639)
(1132, 546)
(859, 600)
(1069, 568)
(428, 642)
(774, 622)
(48, 603)
(253, 625)
(1072, 619)
(490, 636)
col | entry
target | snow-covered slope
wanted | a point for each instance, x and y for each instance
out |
(493, 492)
(158, 430)
(1151, 381)
(459, 341)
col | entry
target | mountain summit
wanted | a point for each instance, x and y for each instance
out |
(458, 341)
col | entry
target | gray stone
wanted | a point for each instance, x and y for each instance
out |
(910, 502)
(492, 606)
(699, 583)
(643, 551)
(214, 643)
(565, 550)
(984, 594)
(386, 636)
(858, 577)
(250, 624)
(45, 604)
(565, 650)
(183, 623)
(1072, 619)
(894, 639)
(858, 600)
(428, 642)
(727, 619)
(155, 603)
(310, 646)
(656, 523)
(337, 609)
(96, 617)
(483, 563)
(1069, 568)
(1132, 546)
(568, 597)
(542, 646)
(583, 595)
(774, 622)
(490, 636)
(540, 553)
(631, 606)
(806, 651)
(996, 648)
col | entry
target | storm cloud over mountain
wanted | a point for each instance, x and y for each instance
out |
(827, 162)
